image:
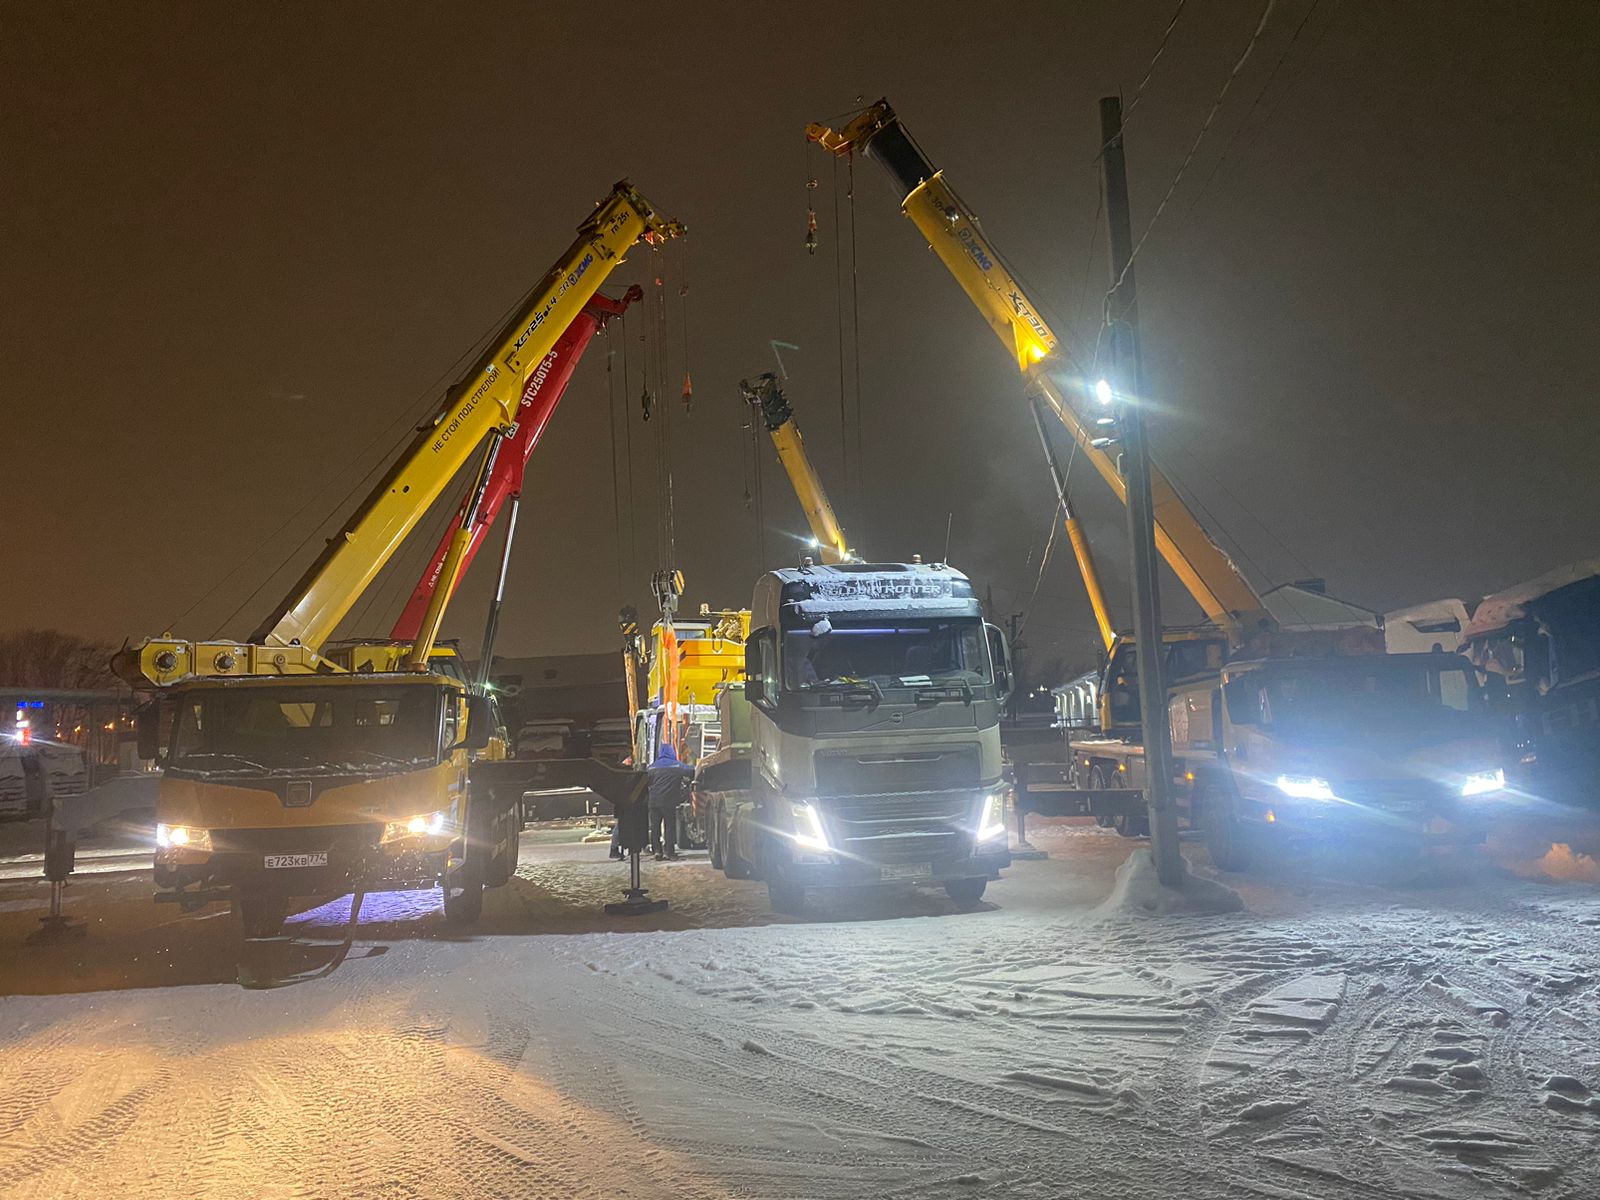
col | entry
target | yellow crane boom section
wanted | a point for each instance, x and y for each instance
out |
(487, 399)
(954, 234)
(765, 396)
(291, 638)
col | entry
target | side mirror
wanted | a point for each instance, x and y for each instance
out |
(755, 689)
(480, 723)
(148, 727)
(1244, 702)
(1000, 653)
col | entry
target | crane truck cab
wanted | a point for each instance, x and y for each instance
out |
(1393, 747)
(276, 788)
(875, 695)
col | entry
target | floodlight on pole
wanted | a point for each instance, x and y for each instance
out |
(1103, 392)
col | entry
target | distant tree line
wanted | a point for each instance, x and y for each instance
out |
(48, 658)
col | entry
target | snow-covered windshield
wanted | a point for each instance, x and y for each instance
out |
(1386, 695)
(898, 653)
(253, 729)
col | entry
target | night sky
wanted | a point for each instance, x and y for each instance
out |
(243, 247)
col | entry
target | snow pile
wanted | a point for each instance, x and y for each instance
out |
(1137, 890)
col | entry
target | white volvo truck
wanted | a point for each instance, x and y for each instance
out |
(875, 693)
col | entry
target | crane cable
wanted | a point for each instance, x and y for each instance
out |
(855, 331)
(627, 444)
(616, 473)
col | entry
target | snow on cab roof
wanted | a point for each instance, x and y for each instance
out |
(908, 589)
(1502, 608)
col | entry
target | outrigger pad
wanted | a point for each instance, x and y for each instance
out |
(635, 907)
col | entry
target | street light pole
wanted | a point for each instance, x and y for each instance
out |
(1122, 315)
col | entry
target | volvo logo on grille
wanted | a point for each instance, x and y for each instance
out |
(297, 794)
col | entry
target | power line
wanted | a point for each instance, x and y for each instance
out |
(1266, 15)
(1254, 104)
(1151, 69)
(472, 351)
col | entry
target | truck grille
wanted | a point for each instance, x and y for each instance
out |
(1393, 795)
(901, 827)
(855, 772)
(301, 840)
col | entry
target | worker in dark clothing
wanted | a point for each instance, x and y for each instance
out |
(668, 779)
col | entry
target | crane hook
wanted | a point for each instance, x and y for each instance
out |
(811, 218)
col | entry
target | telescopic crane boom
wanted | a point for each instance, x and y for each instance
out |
(486, 402)
(953, 233)
(766, 398)
(540, 394)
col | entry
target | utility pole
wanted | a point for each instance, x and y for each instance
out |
(1012, 700)
(1128, 395)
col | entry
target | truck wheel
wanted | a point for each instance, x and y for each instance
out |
(1226, 836)
(500, 868)
(965, 892)
(463, 891)
(1097, 782)
(259, 914)
(715, 835)
(734, 866)
(786, 897)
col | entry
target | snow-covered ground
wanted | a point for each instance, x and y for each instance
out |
(1359, 1030)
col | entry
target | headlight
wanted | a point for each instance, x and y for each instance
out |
(808, 831)
(434, 824)
(992, 823)
(183, 837)
(1305, 787)
(1481, 783)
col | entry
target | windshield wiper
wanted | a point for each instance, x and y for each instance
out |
(944, 685)
(847, 687)
(245, 764)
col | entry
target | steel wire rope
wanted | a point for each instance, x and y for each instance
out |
(1246, 509)
(416, 555)
(1057, 517)
(838, 305)
(859, 498)
(405, 415)
(627, 445)
(616, 474)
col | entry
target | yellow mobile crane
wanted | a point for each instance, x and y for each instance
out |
(954, 234)
(295, 767)
(766, 398)
(1260, 748)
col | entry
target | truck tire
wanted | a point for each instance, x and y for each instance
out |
(1097, 782)
(785, 897)
(258, 914)
(500, 868)
(1227, 838)
(463, 888)
(965, 892)
(463, 903)
(715, 834)
(734, 866)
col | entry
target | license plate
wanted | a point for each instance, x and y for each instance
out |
(280, 861)
(906, 871)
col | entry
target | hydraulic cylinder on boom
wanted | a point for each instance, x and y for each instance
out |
(545, 386)
(953, 233)
(297, 767)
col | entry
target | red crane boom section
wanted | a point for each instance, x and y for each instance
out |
(541, 392)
